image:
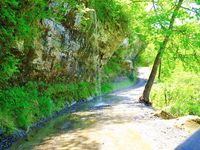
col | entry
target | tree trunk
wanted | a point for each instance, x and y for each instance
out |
(160, 70)
(145, 97)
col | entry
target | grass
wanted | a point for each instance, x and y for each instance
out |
(112, 86)
(21, 106)
(178, 95)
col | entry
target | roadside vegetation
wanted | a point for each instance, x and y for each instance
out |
(178, 94)
(173, 53)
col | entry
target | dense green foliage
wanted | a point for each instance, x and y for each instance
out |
(117, 12)
(21, 106)
(115, 67)
(179, 94)
(19, 23)
(173, 35)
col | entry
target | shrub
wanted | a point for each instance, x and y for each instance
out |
(179, 94)
(23, 106)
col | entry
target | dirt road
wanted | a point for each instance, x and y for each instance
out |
(118, 122)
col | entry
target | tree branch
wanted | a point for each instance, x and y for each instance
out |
(154, 7)
(188, 9)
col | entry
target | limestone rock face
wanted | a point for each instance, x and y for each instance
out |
(71, 51)
(65, 50)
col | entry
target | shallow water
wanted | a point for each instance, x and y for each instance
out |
(82, 116)
(114, 122)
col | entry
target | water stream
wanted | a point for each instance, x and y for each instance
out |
(81, 116)
(98, 65)
(88, 123)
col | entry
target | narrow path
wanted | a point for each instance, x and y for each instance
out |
(118, 122)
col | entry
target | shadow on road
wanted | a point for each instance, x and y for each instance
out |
(71, 130)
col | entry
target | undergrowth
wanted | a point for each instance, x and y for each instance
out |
(179, 94)
(22, 105)
(109, 87)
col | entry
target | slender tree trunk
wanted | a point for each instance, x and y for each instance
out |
(145, 97)
(160, 69)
